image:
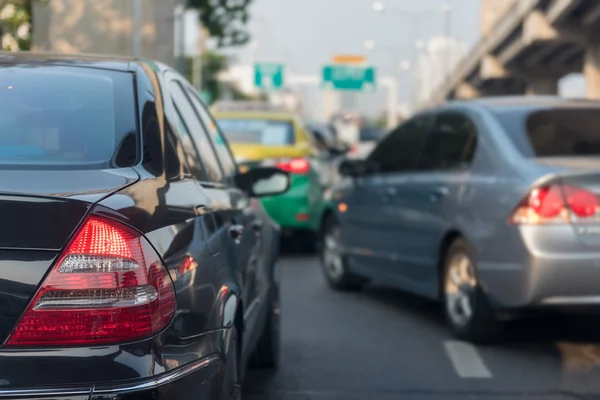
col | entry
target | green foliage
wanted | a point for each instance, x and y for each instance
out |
(212, 64)
(225, 20)
(15, 24)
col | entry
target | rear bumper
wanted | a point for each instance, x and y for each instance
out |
(544, 272)
(199, 380)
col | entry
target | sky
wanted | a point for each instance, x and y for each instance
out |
(306, 34)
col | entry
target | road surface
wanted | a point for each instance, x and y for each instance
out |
(384, 344)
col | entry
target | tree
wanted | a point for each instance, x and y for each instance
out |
(15, 25)
(212, 64)
(225, 20)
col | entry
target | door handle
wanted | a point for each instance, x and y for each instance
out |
(236, 232)
(439, 193)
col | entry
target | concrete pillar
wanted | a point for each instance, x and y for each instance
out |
(466, 91)
(537, 27)
(542, 85)
(591, 68)
(492, 11)
(491, 68)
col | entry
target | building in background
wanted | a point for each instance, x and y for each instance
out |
(436, 63)
(107, 27)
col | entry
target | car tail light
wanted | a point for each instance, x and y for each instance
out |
(555, 204)
(295, 166)
(108, 286)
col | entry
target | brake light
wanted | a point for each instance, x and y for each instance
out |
(555, 204)
(582, 203)
(294, 166)
(108, 286)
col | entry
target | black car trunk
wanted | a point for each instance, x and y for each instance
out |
(39, 210)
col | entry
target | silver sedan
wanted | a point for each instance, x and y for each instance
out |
(489, 206)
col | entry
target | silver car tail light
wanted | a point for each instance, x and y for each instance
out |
(555, 203)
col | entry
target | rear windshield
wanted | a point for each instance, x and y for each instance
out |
(256, 131)
(553, 132)
(66, 117)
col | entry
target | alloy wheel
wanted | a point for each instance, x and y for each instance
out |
(332, 253)
(460, 288)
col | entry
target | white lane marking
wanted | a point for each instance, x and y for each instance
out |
(466, 360)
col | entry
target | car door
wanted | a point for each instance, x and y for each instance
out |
(258, 269)
(198, 266)
(232, 227)
(441, 170)
(372, 237)
(392, 162)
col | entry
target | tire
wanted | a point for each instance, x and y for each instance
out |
(466, 307)
(333, 262)
(232, 382)
(266, 353)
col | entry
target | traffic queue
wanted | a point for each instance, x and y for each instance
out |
(489, 206)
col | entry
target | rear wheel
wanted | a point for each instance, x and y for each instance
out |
(466, 306)
(333, 260)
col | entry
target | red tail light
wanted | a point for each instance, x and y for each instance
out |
(108, 286)
(555, 204)
(294, 166)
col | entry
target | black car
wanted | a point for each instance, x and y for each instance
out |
(135, 262)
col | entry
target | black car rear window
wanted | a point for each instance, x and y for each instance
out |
(258, 131)
(67, 118)
(553, 132)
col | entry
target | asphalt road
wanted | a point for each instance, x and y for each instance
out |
(384, 344)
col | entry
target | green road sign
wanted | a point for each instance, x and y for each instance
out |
(348, 77)
(268, 75)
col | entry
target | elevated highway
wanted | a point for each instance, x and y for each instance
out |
(528, 50)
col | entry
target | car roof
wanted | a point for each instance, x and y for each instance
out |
(113, 62)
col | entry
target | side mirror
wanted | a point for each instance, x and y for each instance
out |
(263, 181)
(352, 168)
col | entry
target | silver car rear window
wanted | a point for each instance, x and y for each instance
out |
(553, 132)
